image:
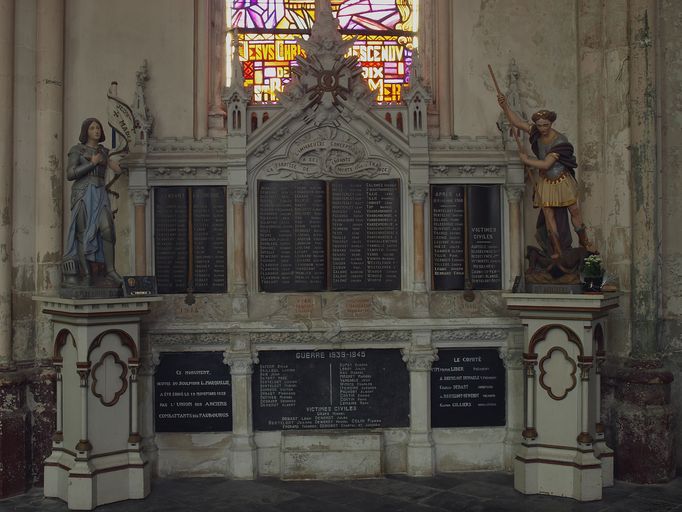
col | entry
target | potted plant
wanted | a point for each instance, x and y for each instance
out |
(592, 272)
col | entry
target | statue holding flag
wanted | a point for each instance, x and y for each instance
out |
(91, 238)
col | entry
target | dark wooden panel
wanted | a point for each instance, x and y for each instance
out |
(209, 239)
(171, 256)
(192, 393)
(291, 235)
(447, 236)
(485, 236)
(468, 388)
(330, 389)
(365, 235)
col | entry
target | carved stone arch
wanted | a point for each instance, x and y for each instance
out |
(59, 343)
(124, 338)
(541, 334)
(330, 152)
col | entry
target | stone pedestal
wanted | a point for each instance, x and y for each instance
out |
(96, 454)
(563, 452)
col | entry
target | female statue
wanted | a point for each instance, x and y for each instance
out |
(91, 236)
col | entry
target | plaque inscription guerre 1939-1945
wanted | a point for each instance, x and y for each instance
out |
(330, 389)
(468, 388)
(192, 393)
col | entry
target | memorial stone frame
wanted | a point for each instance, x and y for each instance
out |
(339, 133)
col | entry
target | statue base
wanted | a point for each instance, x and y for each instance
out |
(97, 456)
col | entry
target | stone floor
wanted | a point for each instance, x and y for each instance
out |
(484, 491)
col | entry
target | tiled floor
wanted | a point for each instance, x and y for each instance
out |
(484, 491)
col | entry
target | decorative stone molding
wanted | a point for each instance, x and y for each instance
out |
(419, 359)
(238, 194)
(466, 143)
(187, 145)
(469, 335)
(511, 358)
(467, 171)
(196, 338)
(240, 363)
(139, 196)
(554, 375)
(514, 193)
(327, 152)
(188, 172)
(97, 383)
(419, 193)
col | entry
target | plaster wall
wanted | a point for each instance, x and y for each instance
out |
(122, 35)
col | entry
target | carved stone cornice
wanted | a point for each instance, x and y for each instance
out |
(481, 143)
(467, 171)
(448, 335)
(187, 145)
(189, 172)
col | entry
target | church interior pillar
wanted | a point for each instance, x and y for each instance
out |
(49, 146)
(6, 140)
(444, 69)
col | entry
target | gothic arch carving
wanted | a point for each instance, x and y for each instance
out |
(541, 335)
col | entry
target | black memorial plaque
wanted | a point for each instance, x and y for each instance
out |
(330, 389)
(447, 236)
(485, 237)
(365, 235)
(291, 235)
(192, 393)
(171, 238)
(468, 388)
(208, 239)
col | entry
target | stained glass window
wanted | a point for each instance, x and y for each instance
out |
(384, 32)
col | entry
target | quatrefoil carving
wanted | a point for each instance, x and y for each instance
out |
(557, 373)
(108, 389)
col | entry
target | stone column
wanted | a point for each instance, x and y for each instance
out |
(83, 445)
(201, 23)
(244, 451)
(644, 298)
(514, 196)
(444, 67)
(49, 146)
(513, 364)
(420, 449)
(530, 361)
(585, 365)
(418, 198)
(216, 60)
(139, 198)
(239, 302)
(6, 164)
